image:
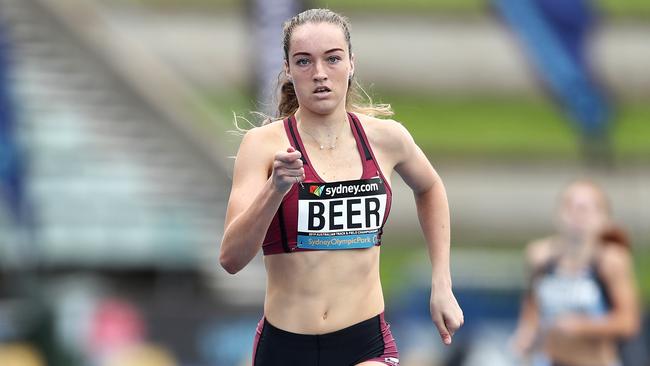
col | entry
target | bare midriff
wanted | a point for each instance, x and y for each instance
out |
(580, 351)
(318, 292)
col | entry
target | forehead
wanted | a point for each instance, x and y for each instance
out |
(581, 193)
(316, 38)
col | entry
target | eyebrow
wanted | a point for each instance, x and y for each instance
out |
(308, 54)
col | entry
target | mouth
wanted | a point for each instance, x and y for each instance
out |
(322, 90)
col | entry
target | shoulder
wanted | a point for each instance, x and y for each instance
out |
(270, 135)
(274, 129)
(381, 126)
(613, 259)
(539, 252)
(259, 144)
(384, 133)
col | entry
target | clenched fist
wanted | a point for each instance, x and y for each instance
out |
(287, 169)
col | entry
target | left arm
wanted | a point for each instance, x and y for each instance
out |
(433, 213)
(622, 321)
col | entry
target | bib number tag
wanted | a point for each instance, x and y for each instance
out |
(341, 215)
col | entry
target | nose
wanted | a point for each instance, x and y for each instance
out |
(319, 72)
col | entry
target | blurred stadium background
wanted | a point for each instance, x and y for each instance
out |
(115, 168)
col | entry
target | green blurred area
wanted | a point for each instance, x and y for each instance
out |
(400, 251)
(485, 129)
(641, 260)
(513, 128)
(616, 8)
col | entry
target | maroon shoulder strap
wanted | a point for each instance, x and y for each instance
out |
(290, 129)
(362, 137)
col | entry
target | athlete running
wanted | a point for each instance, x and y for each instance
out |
(312, 190)
(582, 298)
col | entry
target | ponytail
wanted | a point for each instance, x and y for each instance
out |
(615, 235)
(288, 103)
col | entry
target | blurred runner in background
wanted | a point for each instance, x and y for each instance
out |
(582, 299)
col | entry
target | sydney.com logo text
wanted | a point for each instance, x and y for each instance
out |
(344, 189)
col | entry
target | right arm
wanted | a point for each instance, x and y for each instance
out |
(528, 323)
(527, 326)
(255, 197)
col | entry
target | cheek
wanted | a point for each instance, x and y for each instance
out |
(301, 82)
(600, 219)
(342, 74)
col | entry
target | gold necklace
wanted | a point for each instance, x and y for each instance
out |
(322, 147)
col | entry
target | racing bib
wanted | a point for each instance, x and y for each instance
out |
(341, 215)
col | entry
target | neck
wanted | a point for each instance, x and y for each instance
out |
(579, 246)
(321, 125)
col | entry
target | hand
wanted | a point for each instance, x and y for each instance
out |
(287, 169)
(568, 325)
(521, 343)
(445, 313)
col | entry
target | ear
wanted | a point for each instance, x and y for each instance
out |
(352, 64)
(286, 70)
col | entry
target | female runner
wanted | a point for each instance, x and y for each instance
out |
(312, 190)
(582, 298)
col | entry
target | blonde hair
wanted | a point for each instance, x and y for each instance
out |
(357, 100)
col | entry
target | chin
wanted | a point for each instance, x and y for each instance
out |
(326, 106)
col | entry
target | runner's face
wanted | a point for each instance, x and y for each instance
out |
(582, 211)
(319, 64)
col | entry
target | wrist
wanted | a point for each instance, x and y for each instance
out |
(275, 189)
(441, 281)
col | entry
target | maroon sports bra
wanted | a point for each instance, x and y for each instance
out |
(319, 215)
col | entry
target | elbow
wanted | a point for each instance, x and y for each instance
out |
(229, 265)
(631, 328)
(629, 325)
(228, 262)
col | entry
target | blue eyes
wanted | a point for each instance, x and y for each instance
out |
(306, 61)
(333, 59)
